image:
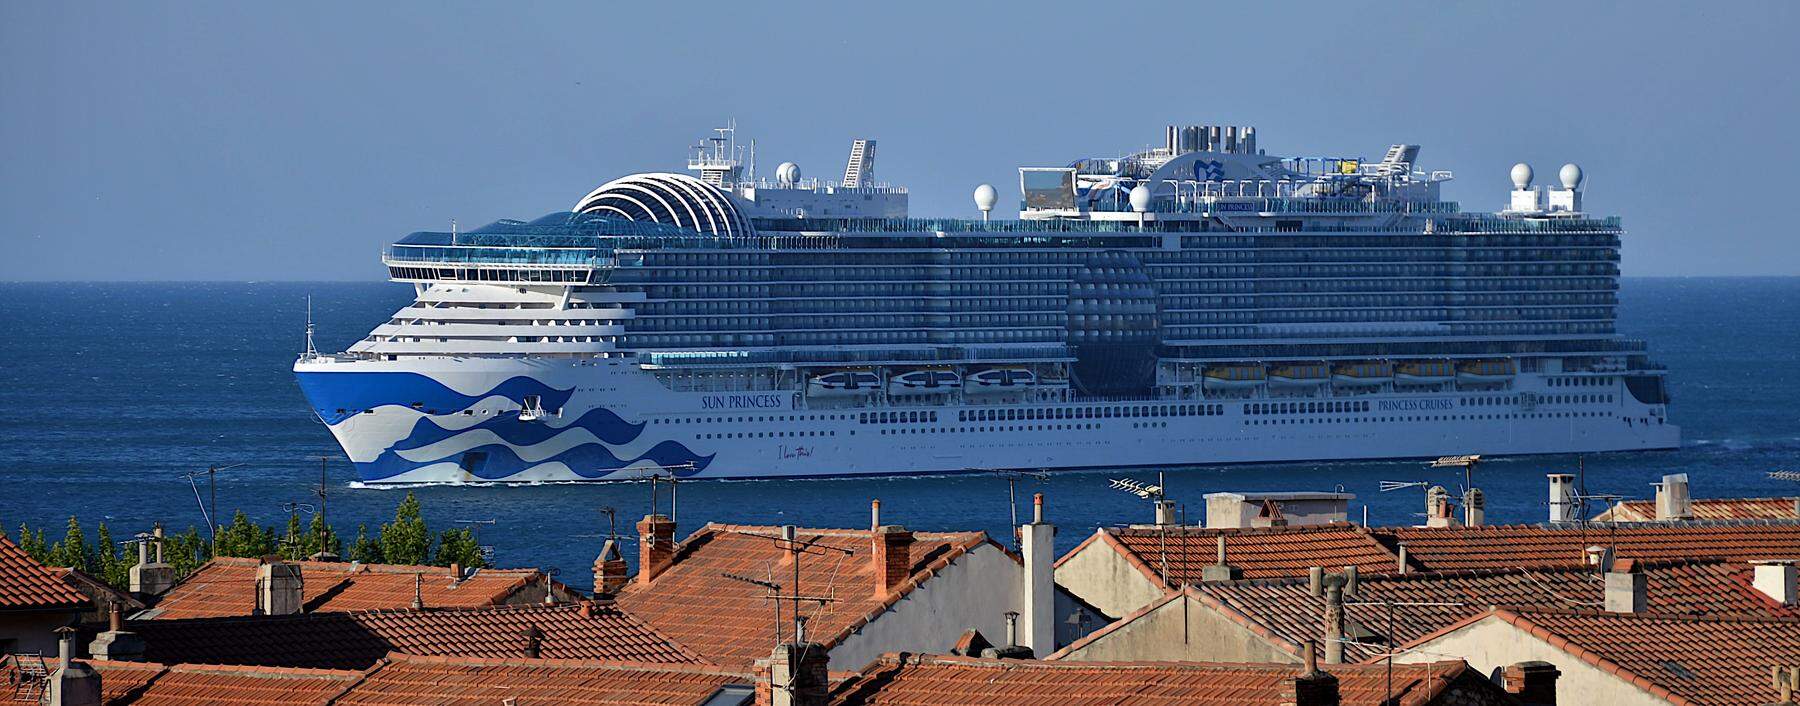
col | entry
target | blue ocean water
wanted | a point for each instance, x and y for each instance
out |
(113, 391)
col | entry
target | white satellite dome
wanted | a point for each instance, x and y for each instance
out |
(1571, 176)
(986, 197)
(787, 174)
(1521, 175)
(1140, 198)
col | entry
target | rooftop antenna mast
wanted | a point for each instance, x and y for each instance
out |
(1012, 478)
(790, 541)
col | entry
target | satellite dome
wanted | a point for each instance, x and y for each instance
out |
(787, 174)
(986, 197)
(1140, 198)
(1521, 175)
(1571, 176)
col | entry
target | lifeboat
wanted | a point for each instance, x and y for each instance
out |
(1000, 380)
(1426, 372)
(1233, 377)
(1304, 375)
(843, 383)
(924, 382)
(1053, 383)
(1488, 372)
(1362, 374)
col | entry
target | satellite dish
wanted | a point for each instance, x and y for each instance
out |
(787, 174)
(985, 198)
(1140, 198)
(1571, 176)
(1521, 175)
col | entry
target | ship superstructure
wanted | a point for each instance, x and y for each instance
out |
(1197, 303)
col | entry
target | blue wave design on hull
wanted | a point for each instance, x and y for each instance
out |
(499, 462)
(338, 396)
(604, 424)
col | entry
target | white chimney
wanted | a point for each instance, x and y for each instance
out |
(1037, 545)
(1626, 588)
(1778, 580)
(1562, 498)
(1672, 501)
(279, 589)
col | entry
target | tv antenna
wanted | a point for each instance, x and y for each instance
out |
(1784, 475)
(790, 541)
(212, 485)
(1142, 490)
(486, 551)
(670, 477)
(1012, 477)
(612, 520)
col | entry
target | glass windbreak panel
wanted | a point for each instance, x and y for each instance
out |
(1048, 188)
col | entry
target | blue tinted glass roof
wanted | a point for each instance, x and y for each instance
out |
(560, 229)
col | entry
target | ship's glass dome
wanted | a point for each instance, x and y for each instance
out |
(671, 199)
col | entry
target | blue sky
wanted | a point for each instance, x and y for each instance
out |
(260, 141)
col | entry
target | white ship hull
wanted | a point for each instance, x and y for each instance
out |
(610, 420)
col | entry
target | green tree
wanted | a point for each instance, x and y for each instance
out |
(321, 538)
(365, 550)
(33, 544)
(406, 540)
(245, 539)
(457, 546)
(109, 565)
(73, 551)
(293, 544)
(186, 551)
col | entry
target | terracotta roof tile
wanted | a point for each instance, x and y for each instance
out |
(151, 684)
(731, 622)
(358, 640)
(1288, 608)
(449, 681)
(1446, 549)
(227, 586)
(28, 585)
(1708, 509)
(1699, 660)
(906, 680)
(1260, 553)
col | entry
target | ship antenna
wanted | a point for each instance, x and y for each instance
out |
(312, 351)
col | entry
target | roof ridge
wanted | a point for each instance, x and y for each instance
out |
(958, 549)
(561, 663)
(1563, 643)
(259, 670)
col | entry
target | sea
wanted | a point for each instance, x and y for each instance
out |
(121, 395)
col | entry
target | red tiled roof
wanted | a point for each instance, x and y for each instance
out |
(451, 681)
(28, 585)
(1261, 553)
(1287, 607)
(1685, 659)
(227, 586)
(358, 640)
(731, 622)
(1707, 509)
(1451, 548)
(151, 684)
(906, 680)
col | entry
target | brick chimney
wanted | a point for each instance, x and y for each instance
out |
(148, 578)
(656, 546)
(279, 588)
(73, 683)
(1778, 580)
(797, 674)
(117, 643)
(1534, 683)
(1311, 687)
(1037, 547)
(609, 569)
(892, 557)
(1672, 502)
(1625, 587)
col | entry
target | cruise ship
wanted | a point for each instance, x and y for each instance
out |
(1201, 302)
